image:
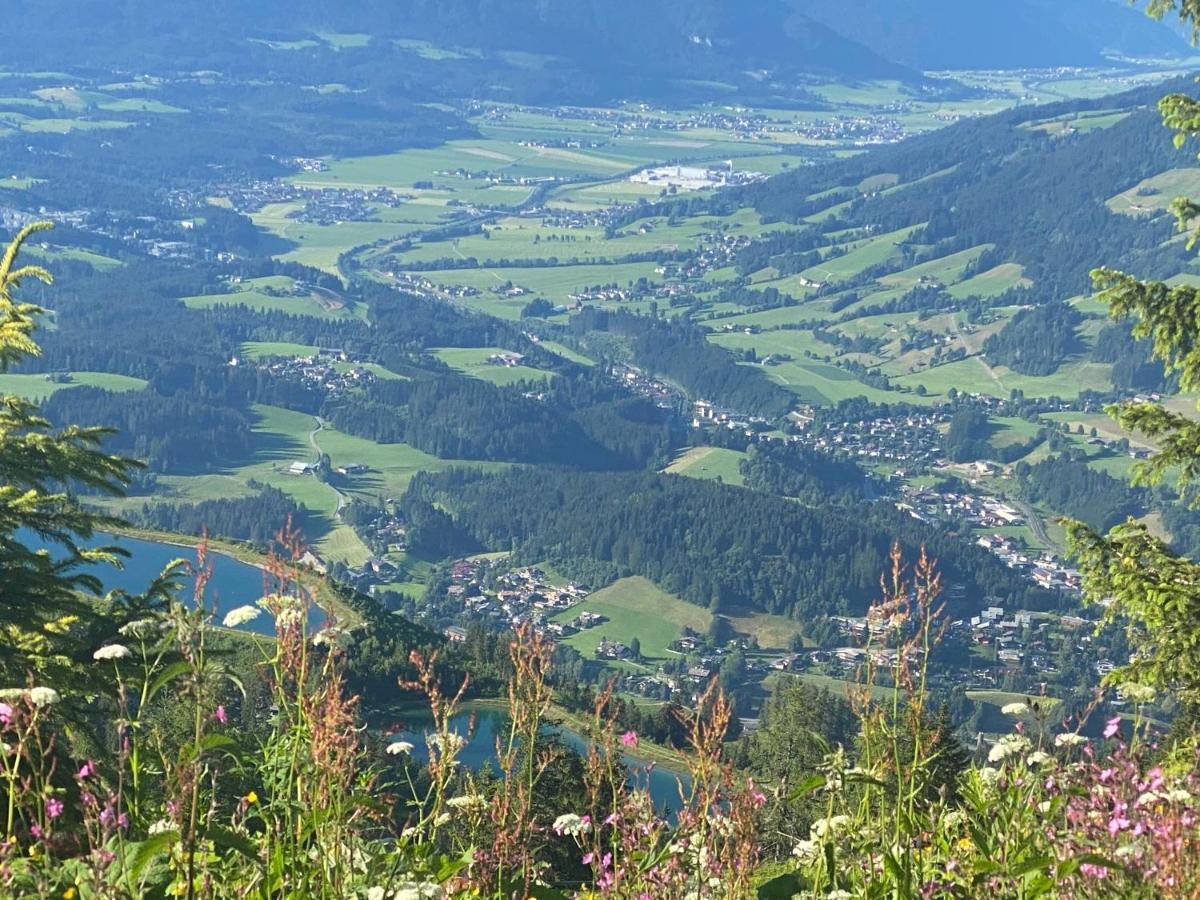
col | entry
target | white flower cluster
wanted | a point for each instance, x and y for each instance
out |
(395, 748)
(141, 627)
(1138, 693)
(467, 801)
(1014, 709)
(235, 618)
(1038, 758)
(43, 696)
(1069, 739)
(830, 826)
(1007, 746)
(112, 652)
(571, 824)
(445, 745)
(407, 890)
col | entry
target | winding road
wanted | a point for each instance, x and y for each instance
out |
(312, 439)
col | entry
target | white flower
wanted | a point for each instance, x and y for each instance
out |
(240, 616)
(43, 696)
(1178, 795)
(160, 826)
(326, 637)
(1038, 758)
(451, 743)
(112, 651)
(988, 775)
(1044, 807)
(441, 820)
(1014, 709)
(571, 824)
(467, 801)
(412, 890)
(138, 627)
(1138, 693)
(839, 895)
(830, 826)
(395, 748)
(953, 818)
(1007, 746)
(375, 893)
(12, 693)
(1069, 739)
(805, 852)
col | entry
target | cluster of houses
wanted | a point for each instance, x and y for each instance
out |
(638, 382)
(479, 591)
(1046, 569)
(912, 439)
(321, 371)
(861, 131)
(507, 359)
(981, 511)
(324, 206)
(419, 284)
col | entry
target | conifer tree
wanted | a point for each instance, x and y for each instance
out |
(1143, 584)
(51, 614)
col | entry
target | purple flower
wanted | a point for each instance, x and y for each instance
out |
(221, 716)
(1112, 727)
(54, 808)
(629, 739)
(87, 770)
(6, 713)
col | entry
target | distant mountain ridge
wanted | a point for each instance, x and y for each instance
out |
(711, 39)
(580, 51)
(979, 34)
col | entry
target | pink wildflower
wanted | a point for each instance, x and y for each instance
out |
(1112, 727)
(629, 739)
(221, 716)
(87, 770)
(54, 808)
(6, 713)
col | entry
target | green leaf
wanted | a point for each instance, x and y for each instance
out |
(216, 741)
(1037, 863)
(807, 786)
(232, 840)
(145, 852)
(783, 887)
(540, 892)
(165, 677)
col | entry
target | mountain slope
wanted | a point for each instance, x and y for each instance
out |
(974, 34)
(710, 39)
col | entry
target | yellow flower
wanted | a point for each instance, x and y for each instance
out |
(69, 893)
(964, 844)
(251, 798)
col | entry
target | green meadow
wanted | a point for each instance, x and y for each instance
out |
(636, 608)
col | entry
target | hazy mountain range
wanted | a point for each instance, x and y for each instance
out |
(618, 44)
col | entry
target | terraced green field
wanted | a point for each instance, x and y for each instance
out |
(38, 387)
(473, 361)
(637, 608)
(709, 464)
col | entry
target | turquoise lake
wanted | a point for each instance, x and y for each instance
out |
(233, 583)
(480, 750)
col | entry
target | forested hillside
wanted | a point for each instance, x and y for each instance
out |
(714, 545)
(1053, 191)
